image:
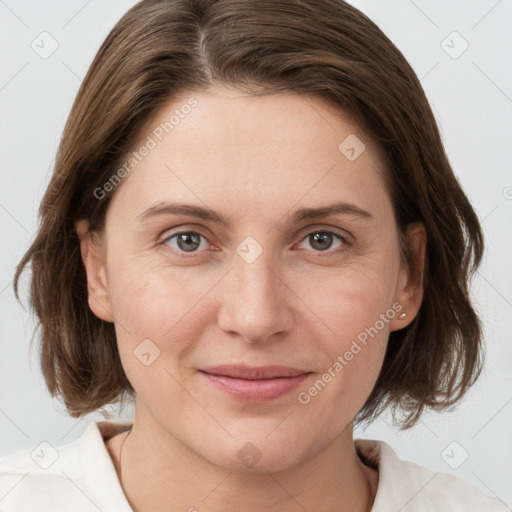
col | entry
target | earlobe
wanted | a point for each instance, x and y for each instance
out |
(409, 292)
(94, 264)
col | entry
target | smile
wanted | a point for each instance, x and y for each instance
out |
(257, 385)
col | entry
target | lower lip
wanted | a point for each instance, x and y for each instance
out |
(255, 390)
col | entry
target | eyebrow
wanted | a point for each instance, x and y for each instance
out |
(168, 208)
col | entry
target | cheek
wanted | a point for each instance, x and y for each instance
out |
(155, 335)
(353, 297)
(355, 310)
(156, 312)
(353, 358)
(152, 298)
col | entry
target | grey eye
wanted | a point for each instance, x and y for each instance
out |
(186, 241)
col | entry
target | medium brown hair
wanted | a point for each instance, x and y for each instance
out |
(321, 47)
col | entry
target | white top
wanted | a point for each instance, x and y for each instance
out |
(80, 477)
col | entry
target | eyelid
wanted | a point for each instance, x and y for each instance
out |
(171, 234)
(187, 228)
(325, 228)
(306, 231)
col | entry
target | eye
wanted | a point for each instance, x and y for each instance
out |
(320, 241)
(186, 242)
(191, 242)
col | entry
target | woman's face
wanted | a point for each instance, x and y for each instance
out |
(244, 180)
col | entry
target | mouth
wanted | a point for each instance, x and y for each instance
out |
(254, 384)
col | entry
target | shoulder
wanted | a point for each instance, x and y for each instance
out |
(36, 479)
(409, 487)
(58, 478)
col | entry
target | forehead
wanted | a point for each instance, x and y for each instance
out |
(265, 148)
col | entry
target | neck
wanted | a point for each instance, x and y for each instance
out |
(160, 472)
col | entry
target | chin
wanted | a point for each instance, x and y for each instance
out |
(260, 455)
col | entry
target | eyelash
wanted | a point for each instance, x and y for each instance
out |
(326, 253)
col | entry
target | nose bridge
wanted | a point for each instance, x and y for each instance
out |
(255, 279)
(256, 304)
(254, 267)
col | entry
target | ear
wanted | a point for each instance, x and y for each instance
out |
(409, 292)
(93, 258)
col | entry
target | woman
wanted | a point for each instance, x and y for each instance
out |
(253, 231)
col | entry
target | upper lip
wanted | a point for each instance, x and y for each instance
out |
(241, 371)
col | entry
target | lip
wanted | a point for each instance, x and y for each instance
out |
(255, 384)
(242, 371)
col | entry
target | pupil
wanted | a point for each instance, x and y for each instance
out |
(320, 239)
(188, 241)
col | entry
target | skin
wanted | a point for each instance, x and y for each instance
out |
(255, 160)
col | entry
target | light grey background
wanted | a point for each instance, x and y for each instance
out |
(471, 95)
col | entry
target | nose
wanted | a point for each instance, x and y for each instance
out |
(256, 301)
